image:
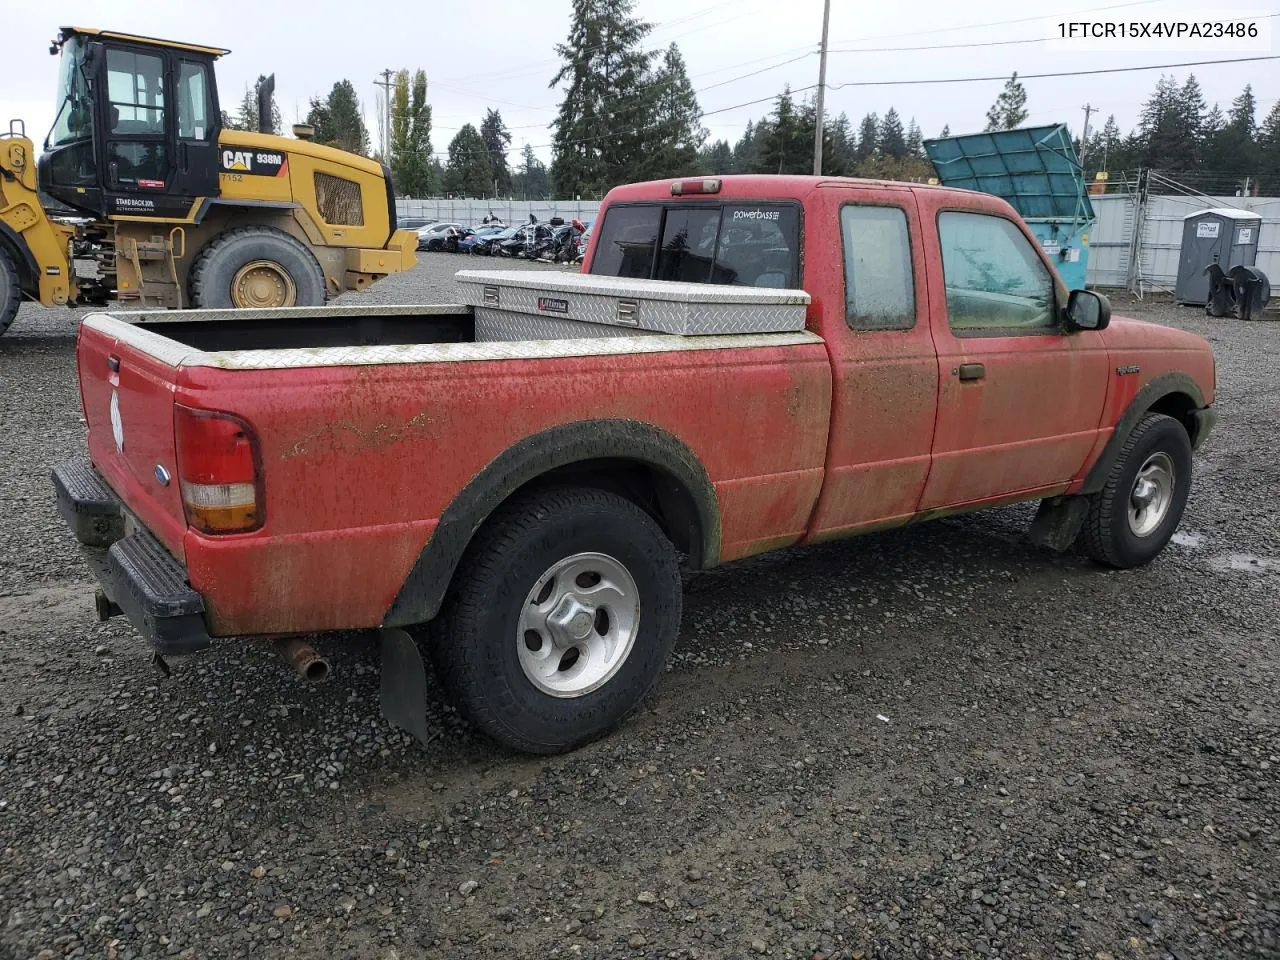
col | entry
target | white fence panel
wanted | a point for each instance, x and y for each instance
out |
(1162, 237)
(468, 212)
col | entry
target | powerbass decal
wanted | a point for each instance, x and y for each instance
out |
(256, 163)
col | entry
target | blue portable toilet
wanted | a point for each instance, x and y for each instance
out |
(1037, 171)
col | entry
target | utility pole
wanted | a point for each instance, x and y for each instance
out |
(386, 84)
(822, 89)
(1084, 138)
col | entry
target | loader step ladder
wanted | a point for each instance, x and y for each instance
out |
(155, 266)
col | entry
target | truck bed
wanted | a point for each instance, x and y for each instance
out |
(216, 331)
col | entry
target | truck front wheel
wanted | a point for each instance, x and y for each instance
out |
(256, 268)
(563, 614)
(10, 290)
(1138, 508)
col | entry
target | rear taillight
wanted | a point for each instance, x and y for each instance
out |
(220, 471)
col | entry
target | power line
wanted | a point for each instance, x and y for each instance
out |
(1042, 76)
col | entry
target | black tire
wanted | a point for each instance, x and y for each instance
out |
(1108, 536)
(10, 290)
(220, 260)
(475, 640)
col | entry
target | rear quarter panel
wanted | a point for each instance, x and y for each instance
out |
(360, 461)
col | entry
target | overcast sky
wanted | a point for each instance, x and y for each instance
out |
(500, 53)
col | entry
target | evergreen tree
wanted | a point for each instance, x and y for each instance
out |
(1168, 141)
(1232, 145)
(746, 152)
(716, 159)
(838, 148)
(1193, 115)
(469, 172)
(946, 130)
(1101, 149)
(531, 181)
(892, 141)
(338, 120)
(497, 140)
(784, 148)
(868, 137)
(411, 135)
(600, 130)
(676, 132)
(1010, 109)
(1269, 153)
(915, 139)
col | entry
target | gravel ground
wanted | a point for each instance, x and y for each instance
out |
(938, 742)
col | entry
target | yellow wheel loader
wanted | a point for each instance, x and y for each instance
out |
(140, 194)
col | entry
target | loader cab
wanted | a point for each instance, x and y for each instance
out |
(136, 133)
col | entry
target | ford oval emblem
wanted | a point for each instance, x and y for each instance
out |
(162, 475)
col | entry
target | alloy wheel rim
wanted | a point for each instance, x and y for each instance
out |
(578, 625)
(1151, 495)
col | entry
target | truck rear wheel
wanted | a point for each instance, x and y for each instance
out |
(258, 268)
(10, 290)
(1139, 507)
(565, 610)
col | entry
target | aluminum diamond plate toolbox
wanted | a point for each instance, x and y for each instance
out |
(496, 325)
(655, 305)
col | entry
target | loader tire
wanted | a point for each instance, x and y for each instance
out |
(256, 268)
(10, 290)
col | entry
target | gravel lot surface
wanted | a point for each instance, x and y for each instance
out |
(938, 742)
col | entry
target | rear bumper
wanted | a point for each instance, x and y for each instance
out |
(137, 573)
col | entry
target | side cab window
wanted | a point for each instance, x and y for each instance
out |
(879, 279)
(996, 283)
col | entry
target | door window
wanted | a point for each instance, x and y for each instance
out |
(193, 102)
(879, 282)
(135, 92)
(995, 282)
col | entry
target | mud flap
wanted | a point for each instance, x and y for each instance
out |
(404, 684)
(1058, 522)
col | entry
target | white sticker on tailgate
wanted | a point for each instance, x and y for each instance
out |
(117, 425)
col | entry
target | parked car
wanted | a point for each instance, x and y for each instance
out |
(432, 237)
(413, 223)
(487, 245)
(468, 244)
(528, 503)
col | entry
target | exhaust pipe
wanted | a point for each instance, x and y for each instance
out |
(304, 658)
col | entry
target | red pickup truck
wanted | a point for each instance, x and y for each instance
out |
(531, 500)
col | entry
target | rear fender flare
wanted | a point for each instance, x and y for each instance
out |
(1156, 390)
(423, 592)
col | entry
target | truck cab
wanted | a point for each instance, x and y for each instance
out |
(136, 132)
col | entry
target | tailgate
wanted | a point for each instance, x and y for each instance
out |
(127, 396)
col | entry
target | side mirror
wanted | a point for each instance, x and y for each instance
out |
(1087, 310)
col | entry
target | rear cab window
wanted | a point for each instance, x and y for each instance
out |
(738, 243)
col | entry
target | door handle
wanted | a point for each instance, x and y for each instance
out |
(971, 371)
